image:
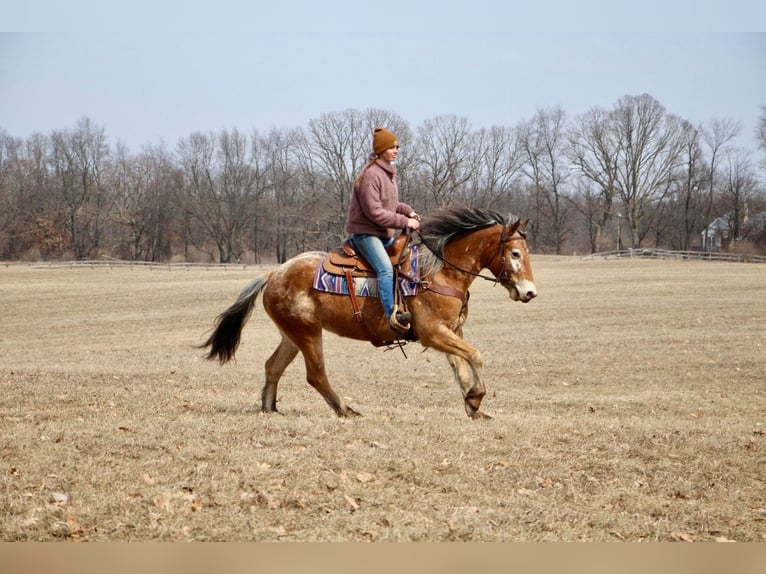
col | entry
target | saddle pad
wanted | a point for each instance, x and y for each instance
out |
(363, 286)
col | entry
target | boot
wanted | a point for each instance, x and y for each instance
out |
(399, 321)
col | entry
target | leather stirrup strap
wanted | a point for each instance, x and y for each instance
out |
(399, 299)
(374, 339)
(352, 294)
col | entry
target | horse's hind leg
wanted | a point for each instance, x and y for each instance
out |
(276, 364)
(316, 375)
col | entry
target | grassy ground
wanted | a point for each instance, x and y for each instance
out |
(629, 403)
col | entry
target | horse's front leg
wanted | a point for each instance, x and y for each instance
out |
(472, 387)
(466, 363)
(469, 379)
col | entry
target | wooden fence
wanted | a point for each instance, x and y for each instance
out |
(117, 263)
(650, 253)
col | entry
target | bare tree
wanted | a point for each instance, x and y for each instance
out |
(129, 197)
(686, 200)
(543, 140)
(224, 176)
(287, 213)
(8, 216)
(79, 158)
(761, 129)
(497, 158)
(587, 200)
(338, 145)
(142, 188)
(443, 148)
(592, 150)
(649, 144)
(164, 213)
(33, 221)
(717, 135)
(318, 215)
(740, 197)
(760, 134)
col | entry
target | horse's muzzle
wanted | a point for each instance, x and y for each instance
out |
(523, 291)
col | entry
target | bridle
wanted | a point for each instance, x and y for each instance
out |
(505, 237)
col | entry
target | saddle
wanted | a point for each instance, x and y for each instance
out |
(344, 260)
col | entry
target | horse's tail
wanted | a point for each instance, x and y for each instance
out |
(224, 341)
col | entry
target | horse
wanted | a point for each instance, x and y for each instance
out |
(455, 244)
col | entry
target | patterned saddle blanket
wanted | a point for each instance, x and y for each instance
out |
(365, 286)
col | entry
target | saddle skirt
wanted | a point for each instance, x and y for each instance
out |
(330, 275)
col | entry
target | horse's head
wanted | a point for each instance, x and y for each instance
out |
(468, 240)
(511, 265)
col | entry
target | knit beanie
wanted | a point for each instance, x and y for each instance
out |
(382, 140)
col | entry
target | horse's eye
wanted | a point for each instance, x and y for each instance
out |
(515, 254)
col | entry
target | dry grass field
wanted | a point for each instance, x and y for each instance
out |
(629, 404)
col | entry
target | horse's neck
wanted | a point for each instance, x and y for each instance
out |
(469, 252)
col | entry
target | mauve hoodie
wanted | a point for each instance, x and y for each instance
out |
(375, 208)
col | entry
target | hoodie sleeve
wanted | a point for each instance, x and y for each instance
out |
(404, 209)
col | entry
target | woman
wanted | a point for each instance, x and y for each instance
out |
(375, 213)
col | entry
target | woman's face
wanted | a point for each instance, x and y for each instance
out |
(390, 154)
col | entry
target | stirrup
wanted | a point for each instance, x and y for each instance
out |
(400, 321)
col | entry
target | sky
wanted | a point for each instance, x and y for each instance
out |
(152, 72)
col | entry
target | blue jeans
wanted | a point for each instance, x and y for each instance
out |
(373, 249)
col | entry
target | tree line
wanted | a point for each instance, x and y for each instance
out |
(629, 176)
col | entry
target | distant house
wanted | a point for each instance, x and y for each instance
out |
(717, 235)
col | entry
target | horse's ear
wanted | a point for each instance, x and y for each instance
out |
(521, 227)
(514, 226)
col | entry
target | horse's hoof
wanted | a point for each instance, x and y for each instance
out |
(348, 412)
(479, 415)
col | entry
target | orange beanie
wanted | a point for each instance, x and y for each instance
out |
(382, 140)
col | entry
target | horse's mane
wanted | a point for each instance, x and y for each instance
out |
(438, 228)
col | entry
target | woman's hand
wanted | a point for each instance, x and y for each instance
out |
(414, 223)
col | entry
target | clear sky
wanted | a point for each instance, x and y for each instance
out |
(152, 72)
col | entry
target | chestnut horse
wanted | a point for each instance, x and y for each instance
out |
(455, 245)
